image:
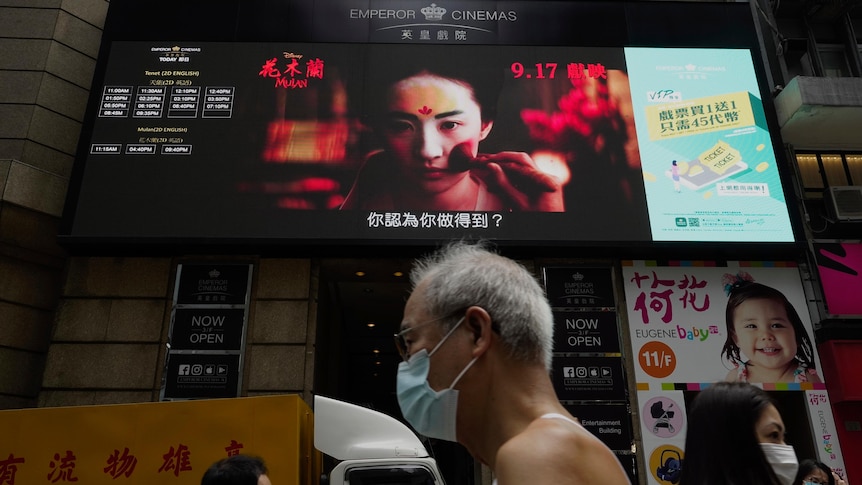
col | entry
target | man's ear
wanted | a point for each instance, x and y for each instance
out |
(479, 323)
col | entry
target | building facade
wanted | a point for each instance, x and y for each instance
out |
(83, 327)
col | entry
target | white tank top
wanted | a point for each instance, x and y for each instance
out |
(558, 416)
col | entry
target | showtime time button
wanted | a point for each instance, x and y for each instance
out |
(176, 149)
(105, 148)
(140, 149)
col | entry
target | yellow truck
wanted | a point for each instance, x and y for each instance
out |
(175, 442)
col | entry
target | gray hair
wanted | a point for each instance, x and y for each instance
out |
(461, 275)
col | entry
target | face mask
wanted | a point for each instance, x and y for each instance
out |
(783, 461)
(430, 413)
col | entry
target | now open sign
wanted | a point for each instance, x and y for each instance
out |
(208, 329)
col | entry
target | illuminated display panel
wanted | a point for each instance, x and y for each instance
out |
(338, 142)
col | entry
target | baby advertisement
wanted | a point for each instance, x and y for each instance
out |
(708, 162)
(691, 325)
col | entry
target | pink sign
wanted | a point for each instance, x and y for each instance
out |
(840, 267)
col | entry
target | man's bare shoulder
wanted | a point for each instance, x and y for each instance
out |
(557, 451)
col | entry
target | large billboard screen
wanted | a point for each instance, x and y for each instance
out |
(424, 139)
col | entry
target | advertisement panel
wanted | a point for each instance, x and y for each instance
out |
(579, 287)
(206, 343)
(840, 268)
(208, 329)
(448, 127)
(141, 444)
(579, 378)
(611, 423)
(321, 141)
(824, 431)
(212, 284)
(693, 324)
(709, 165)
(663, 428)
(195, 376)
(586, 332)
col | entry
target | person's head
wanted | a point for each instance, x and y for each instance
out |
(466, 297)
(237, 470)
(462, 275)
(674, 163)
(732, 426)
(813, 472)
(432, 121)
(763, 326)
(425, 104)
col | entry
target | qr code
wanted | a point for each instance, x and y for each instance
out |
(694, 222)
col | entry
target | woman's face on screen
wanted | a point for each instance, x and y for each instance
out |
(427, 117)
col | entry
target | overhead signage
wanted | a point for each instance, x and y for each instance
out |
(208, 329)
(588, 378)
(824, 431)
(192, 376)
(610, 423)
(579, 287)
(586, 332)
(207, 334)
(212, 284)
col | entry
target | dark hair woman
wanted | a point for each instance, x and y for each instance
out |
(736, 436)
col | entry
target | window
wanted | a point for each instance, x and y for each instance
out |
(833, 166)
(854, 166)
(390, 475)
(834, 61)
(819, 171)
(809, 171)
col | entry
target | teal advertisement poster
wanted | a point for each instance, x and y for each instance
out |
(708, 162)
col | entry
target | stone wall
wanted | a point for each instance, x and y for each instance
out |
(48, 51)
(113, 323)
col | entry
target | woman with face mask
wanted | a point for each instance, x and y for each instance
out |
(736, 436)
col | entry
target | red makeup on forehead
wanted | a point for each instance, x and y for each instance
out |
(425, 110)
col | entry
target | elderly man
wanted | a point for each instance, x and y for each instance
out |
(476, 340)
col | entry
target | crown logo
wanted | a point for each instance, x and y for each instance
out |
(175, 48)
(690, 67)
(433, 12)
(577, 277)
(215, 273)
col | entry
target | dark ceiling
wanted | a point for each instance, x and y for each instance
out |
(357, 316)
(817, 10)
